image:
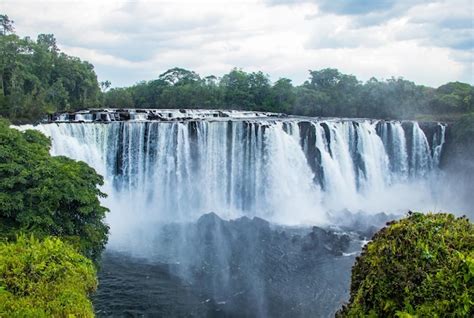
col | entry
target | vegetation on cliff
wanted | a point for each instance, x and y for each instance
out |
(44, 278)
(47, 195)
(420, 266)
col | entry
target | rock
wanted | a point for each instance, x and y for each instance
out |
(124, 116)
(320, 240)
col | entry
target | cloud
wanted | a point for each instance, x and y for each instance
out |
(355, 7)
(364, 8)
(429, 42)
(443, 23)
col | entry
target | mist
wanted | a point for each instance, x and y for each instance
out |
(226, 201)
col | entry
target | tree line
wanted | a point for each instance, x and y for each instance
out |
(327, 92)
(36, 79)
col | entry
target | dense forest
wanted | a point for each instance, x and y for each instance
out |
(327, 92)
(36, 79)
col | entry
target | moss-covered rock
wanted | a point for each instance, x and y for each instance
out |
(422, 266)
(45, 278)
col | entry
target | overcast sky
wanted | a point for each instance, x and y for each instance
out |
(428, 41)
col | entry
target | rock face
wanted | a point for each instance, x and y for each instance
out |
(458, 164)
(362, 224)
(249, 268)
(110, 115)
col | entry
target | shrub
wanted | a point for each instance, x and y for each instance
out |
(422, 265)
(45, 278)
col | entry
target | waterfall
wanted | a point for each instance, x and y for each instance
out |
(420, 162)
(438, 143)
(289, 170)
(393, 138)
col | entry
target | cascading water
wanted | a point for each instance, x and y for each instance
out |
(165, 169)
(421, 161)
(289, 170)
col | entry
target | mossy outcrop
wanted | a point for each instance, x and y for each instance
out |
(419, 266)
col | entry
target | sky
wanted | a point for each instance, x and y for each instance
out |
(430, 42)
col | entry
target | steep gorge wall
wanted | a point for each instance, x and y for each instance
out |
(457, 162)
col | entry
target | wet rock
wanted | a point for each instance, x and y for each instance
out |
(363, 224)
(321, 240)
(124, 116)
(250, 266)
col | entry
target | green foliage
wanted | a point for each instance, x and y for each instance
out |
(453, 97)
(282, 96)
(328, 92)
(48, 195)
(6, 24)
(45, 278)
(420, 266)
(463, 130)
(35, 78)
(179, 76)
(119, 98)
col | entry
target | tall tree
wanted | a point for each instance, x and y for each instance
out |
(6, 25)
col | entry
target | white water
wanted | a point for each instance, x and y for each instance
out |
(158, 172)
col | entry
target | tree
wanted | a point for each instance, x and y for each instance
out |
(259, 90)
(179, 76)
(47, 195)
(453, 97)
(339, 92)
(119, 98)
(36, 79)
(46, 278)
(236, 90)
(420, 266)
(105, 85)
(282, 96)
(309, 102)
(324, 79)
(6, 24)
(48, 42)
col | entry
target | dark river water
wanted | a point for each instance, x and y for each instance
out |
(239, 268)
(133, 288)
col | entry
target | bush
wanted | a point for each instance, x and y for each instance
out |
(422, 266)
(47, 195)
(45, 278)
